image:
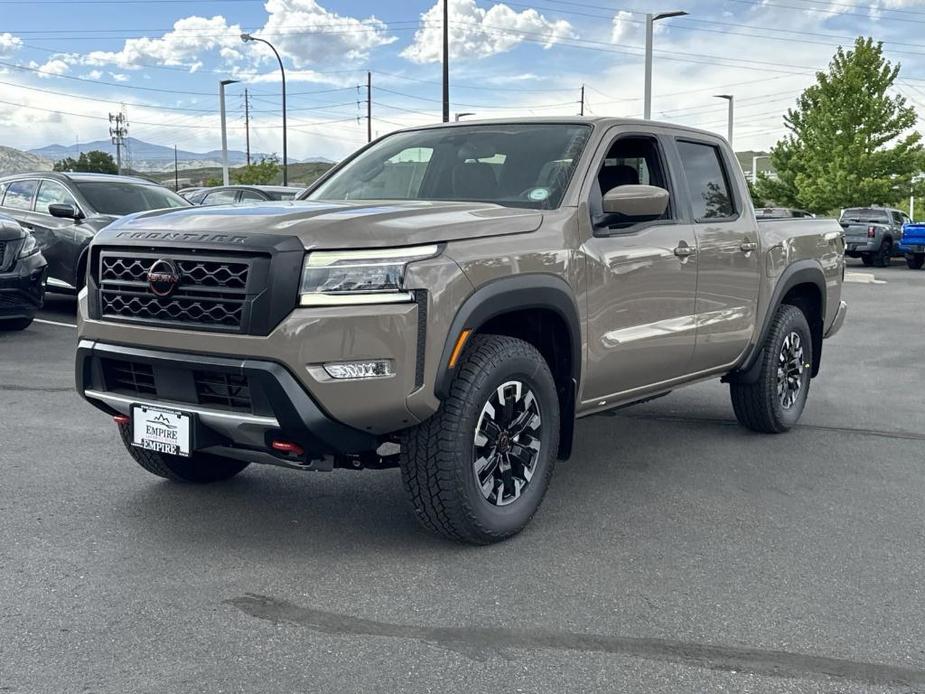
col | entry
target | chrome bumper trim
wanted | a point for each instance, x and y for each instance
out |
(839, 320)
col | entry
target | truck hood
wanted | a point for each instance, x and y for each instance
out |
(336, 224)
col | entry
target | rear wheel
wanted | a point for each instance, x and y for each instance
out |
(16, 323)
(915, 261)
(883, 256)
(867, 259)
(774, 403)
(478, 469)
(199, 468)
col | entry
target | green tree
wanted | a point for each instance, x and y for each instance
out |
(89, 162)
(260, 173)
(851, 142)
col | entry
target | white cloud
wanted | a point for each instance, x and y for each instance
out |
(9, 44)
(94, 75)
(478, 33)
(190, 38)
(622, 26)
(119, 76)
(57, 65)
(311, 35)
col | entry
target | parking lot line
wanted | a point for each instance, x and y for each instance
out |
(54, 322)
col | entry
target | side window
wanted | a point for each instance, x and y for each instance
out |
(220, 197)
(905, 218)
(52, 193)
(251, 195)
(630, 160)
(19, 195)
(897, 218)
(707, 182)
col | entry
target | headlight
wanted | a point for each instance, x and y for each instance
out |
(29, 247)
(372, 276)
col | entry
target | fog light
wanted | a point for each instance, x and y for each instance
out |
(379, 368)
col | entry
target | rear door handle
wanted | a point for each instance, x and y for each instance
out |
(683, 251)
(748, 246)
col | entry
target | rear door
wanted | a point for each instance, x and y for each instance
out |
(728, 253)
(641, 278)
(18, 199)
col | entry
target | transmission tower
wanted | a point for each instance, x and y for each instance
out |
(118, 130)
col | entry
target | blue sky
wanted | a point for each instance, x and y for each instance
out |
(163, 60)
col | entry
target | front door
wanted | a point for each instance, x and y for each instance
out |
(57, 236)
(728, 254)
(641, 279)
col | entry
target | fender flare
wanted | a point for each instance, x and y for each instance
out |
(508, 294)
(800, 272)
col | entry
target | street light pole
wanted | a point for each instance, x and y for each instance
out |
(446, 61)
(647, 95)
(282, 70)
(460, 116)
(755, 160)
(221, 106)
(731, 99)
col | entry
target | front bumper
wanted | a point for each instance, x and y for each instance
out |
(240, 405)
(22, 290)
(839, 320)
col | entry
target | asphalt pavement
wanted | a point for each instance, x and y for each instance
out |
(676, 552)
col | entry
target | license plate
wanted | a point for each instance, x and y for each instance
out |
(162, 431)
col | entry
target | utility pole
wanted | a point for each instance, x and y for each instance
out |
(647, 93)
(582, 112)
(369, 106)
(176, 170)
(221, 105)
(446, 61)
(118, 129)
(247, 125)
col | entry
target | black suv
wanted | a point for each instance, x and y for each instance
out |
(64, 211)
(229, 195)
(22, 276)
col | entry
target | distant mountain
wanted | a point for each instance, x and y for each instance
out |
(145, 156)
(15, 161)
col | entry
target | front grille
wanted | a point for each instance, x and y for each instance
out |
(222, 389)
(213, 389)
(211, 292)
(129, 377)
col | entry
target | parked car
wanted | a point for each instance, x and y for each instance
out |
(231, 195)
(460, 293)
(913, 245)
(64, 211)
(22, 276)
(873, 233)
(781, 213)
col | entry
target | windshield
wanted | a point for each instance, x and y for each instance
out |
(521, 165)
(866, 214)
(117, 198)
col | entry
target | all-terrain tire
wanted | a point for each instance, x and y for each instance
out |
(915, 261)
(199, 468)
(758, 406)
(15, 323)
(439, 456)
(884, 254)
(867, 259)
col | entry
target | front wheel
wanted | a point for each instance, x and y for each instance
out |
(915, 261)
(774, 403)
(199, 468)
(478, 469)
(15, 323)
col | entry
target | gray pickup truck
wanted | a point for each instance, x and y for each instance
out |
(873, 234)
(448, 300)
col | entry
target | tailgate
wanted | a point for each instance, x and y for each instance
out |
(857, 232)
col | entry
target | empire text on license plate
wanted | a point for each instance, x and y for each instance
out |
(162, 431)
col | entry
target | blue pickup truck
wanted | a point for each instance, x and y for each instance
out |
(913, 244)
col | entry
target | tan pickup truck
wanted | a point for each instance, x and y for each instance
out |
(448, 300)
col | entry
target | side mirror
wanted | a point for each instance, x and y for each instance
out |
(64, 211)
(636, 203)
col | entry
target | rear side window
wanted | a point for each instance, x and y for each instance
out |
(250, 195)
(19, 195)
(220, 197)
(708, 185)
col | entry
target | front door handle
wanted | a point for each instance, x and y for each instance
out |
(684, 251)
(748, 246)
